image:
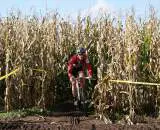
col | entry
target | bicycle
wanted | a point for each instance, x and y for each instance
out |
(81, 96)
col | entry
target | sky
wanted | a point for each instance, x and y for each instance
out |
(83, 7)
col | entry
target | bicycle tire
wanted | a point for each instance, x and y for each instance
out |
(81, 99)
(83, 105)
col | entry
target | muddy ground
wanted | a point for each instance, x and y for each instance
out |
(66, 118)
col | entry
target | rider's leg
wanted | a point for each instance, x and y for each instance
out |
(73, 83)
(83, 95)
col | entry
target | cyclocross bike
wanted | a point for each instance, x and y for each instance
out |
(81, 96)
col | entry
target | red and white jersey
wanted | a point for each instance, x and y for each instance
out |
(81, 65)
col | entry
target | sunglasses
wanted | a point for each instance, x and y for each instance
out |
(81, 54)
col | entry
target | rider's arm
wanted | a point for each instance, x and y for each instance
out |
(90, 73)
(89, 68)
(70, 66)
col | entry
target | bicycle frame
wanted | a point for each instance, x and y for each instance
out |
(78, 86)
(80, 95)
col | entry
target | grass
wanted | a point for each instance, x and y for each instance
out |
(23, 113)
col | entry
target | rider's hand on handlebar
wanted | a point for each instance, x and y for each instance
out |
(90, 76)
(72, 78)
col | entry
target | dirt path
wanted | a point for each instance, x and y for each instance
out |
(67, 119)
(68, 123)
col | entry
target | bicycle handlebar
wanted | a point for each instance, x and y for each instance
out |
(89, 78)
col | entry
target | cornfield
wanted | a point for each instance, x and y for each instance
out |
(40, 48)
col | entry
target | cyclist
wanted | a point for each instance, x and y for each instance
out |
(77, 65)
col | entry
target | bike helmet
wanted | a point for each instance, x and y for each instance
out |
(81, 50)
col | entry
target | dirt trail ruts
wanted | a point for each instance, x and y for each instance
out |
(65, 123)
(66, 118)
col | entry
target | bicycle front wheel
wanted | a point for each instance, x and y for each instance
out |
(83, 105)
